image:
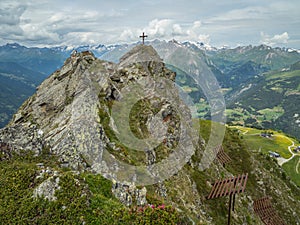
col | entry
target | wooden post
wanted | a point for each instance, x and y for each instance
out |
(234, 186)
(229, 208)
(228, 186)
(233, 201)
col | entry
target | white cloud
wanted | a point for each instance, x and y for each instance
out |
(246, 13)
(36, 33)
(204, 38)
(159, 28)
(167, 29)
(196, 24)
(127, 34)
(177, 29)
(11, 16)
(10, 21)
(275, 40)
(194, 34)
(56, 22)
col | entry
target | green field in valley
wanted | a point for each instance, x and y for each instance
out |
(278, 142)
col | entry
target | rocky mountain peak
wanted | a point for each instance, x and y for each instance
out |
(140, 53)
(70, 114)
(147, 61)
(63, 114)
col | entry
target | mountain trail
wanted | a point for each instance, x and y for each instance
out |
(281, 160)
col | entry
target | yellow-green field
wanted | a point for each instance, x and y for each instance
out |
(278, 142)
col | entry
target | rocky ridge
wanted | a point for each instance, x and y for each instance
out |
(66, 103)
(70, 116)
(63, 115)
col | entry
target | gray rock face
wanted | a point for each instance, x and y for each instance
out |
(128, 194)
(47, 189)
(140, 54)
(24, 136)
(63, 114)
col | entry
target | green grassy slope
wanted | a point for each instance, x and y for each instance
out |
(292, 168)
(86, 197)
(82, 198)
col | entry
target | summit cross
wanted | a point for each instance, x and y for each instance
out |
(143, 37)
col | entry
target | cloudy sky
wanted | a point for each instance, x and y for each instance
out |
(218, 23)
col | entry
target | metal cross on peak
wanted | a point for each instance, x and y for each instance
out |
(143, 37)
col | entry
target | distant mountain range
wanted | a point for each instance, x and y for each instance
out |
(16, 84)
(237, 70)
(21, 71)
(271, 101)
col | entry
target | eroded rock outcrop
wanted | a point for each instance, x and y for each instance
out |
(64, 115)
(129, 194)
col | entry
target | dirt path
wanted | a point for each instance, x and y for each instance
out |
(281, 160)
(245, 132)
